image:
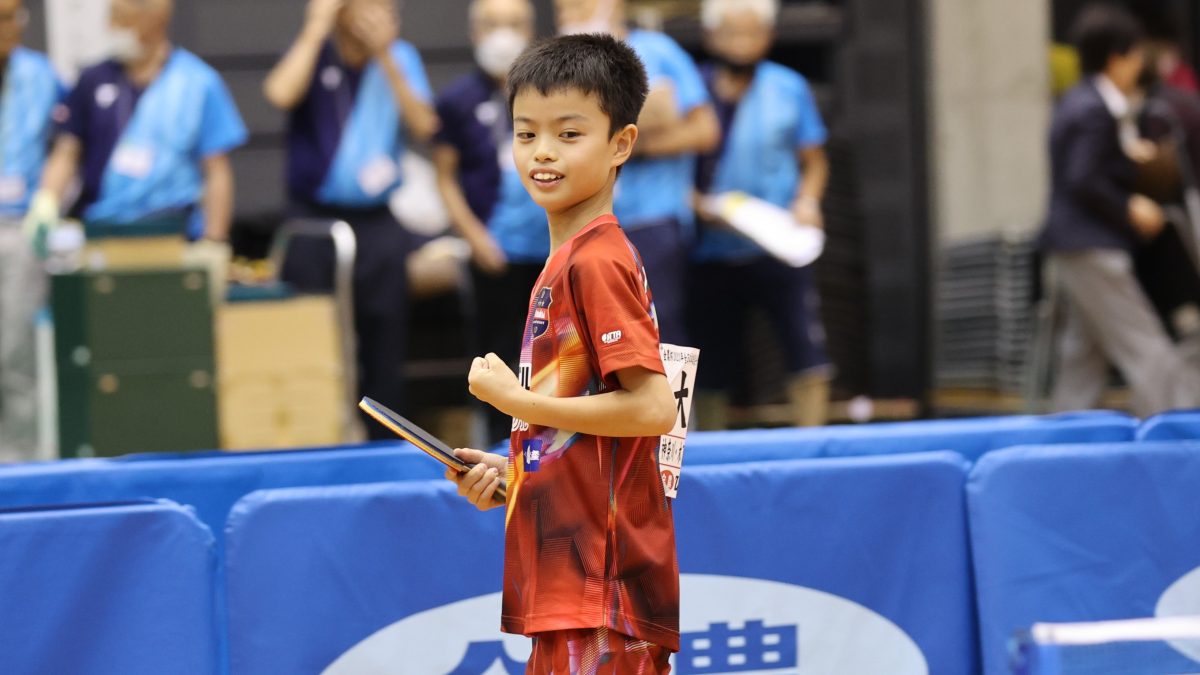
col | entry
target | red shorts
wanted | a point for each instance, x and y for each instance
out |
(595, 651)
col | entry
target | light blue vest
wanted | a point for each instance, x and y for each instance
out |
(656, 188)
(774, 120)
(365, 167)
(31, 90)
(155, 168)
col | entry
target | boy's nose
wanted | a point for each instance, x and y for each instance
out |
(544, 153)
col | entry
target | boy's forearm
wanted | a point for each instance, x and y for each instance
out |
(617, 414)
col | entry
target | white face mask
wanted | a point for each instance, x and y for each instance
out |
(599, 22)
(497, 51)
(123, 45)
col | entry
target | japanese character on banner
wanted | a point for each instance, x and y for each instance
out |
(680, 364)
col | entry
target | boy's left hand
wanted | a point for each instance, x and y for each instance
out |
(492, 381)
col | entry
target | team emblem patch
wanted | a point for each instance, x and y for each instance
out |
(531, 452)
(541, 313)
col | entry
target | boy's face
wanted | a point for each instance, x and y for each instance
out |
(562, 146)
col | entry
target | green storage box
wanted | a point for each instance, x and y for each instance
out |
(135, 360)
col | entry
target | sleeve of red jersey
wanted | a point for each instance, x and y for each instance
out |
(612, 299)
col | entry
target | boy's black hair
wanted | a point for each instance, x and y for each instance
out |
(1101, 31)
(595, 64)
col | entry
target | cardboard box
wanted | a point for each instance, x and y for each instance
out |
(282, 381)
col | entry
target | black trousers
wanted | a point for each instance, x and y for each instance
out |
(380, 295)
(1167, 274)
(664, 255)
(501, 307)
(723, 294)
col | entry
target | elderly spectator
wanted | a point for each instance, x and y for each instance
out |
(772, 149)
(150, 129)
(653, 196)
(482, 189)
(355, 93)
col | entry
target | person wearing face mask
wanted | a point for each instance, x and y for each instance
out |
(479, 183)
(653, 195)
(773, 149)
(355, 94)
(29, 90)
(150, 130)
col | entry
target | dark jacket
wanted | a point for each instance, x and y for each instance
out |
(1091, 177)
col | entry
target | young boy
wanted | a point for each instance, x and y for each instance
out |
(590, 571)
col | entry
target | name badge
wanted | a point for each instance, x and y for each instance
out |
(377, 175)
(12, 189)
(531, 451)
(680, 365)
(133, 160)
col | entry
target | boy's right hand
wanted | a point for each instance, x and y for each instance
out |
(479, 485)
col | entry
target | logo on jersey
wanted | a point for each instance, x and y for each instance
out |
(532, 454)
(541, 313)
(611, 337)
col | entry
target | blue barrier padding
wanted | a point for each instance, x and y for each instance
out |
(120, 589)
(314, 572)
(1080, 533)
(208, 482)
(888, 533)
(971, 438)
(1171, 426)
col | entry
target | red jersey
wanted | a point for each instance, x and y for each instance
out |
(589, 534)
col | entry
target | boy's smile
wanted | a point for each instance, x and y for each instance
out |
(546, 179)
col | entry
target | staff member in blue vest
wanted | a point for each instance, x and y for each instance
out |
(150, 130)
(355, 94)
(482, 189)
(653, 194)
(29, 90)
(773, 149)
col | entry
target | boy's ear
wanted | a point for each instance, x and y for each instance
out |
(623, 142)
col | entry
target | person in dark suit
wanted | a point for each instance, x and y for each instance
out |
(1095, 223)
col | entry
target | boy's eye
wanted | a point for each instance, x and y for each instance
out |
(570, 134)
(524, 135)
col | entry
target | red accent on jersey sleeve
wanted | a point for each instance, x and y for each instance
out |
(611, 299)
